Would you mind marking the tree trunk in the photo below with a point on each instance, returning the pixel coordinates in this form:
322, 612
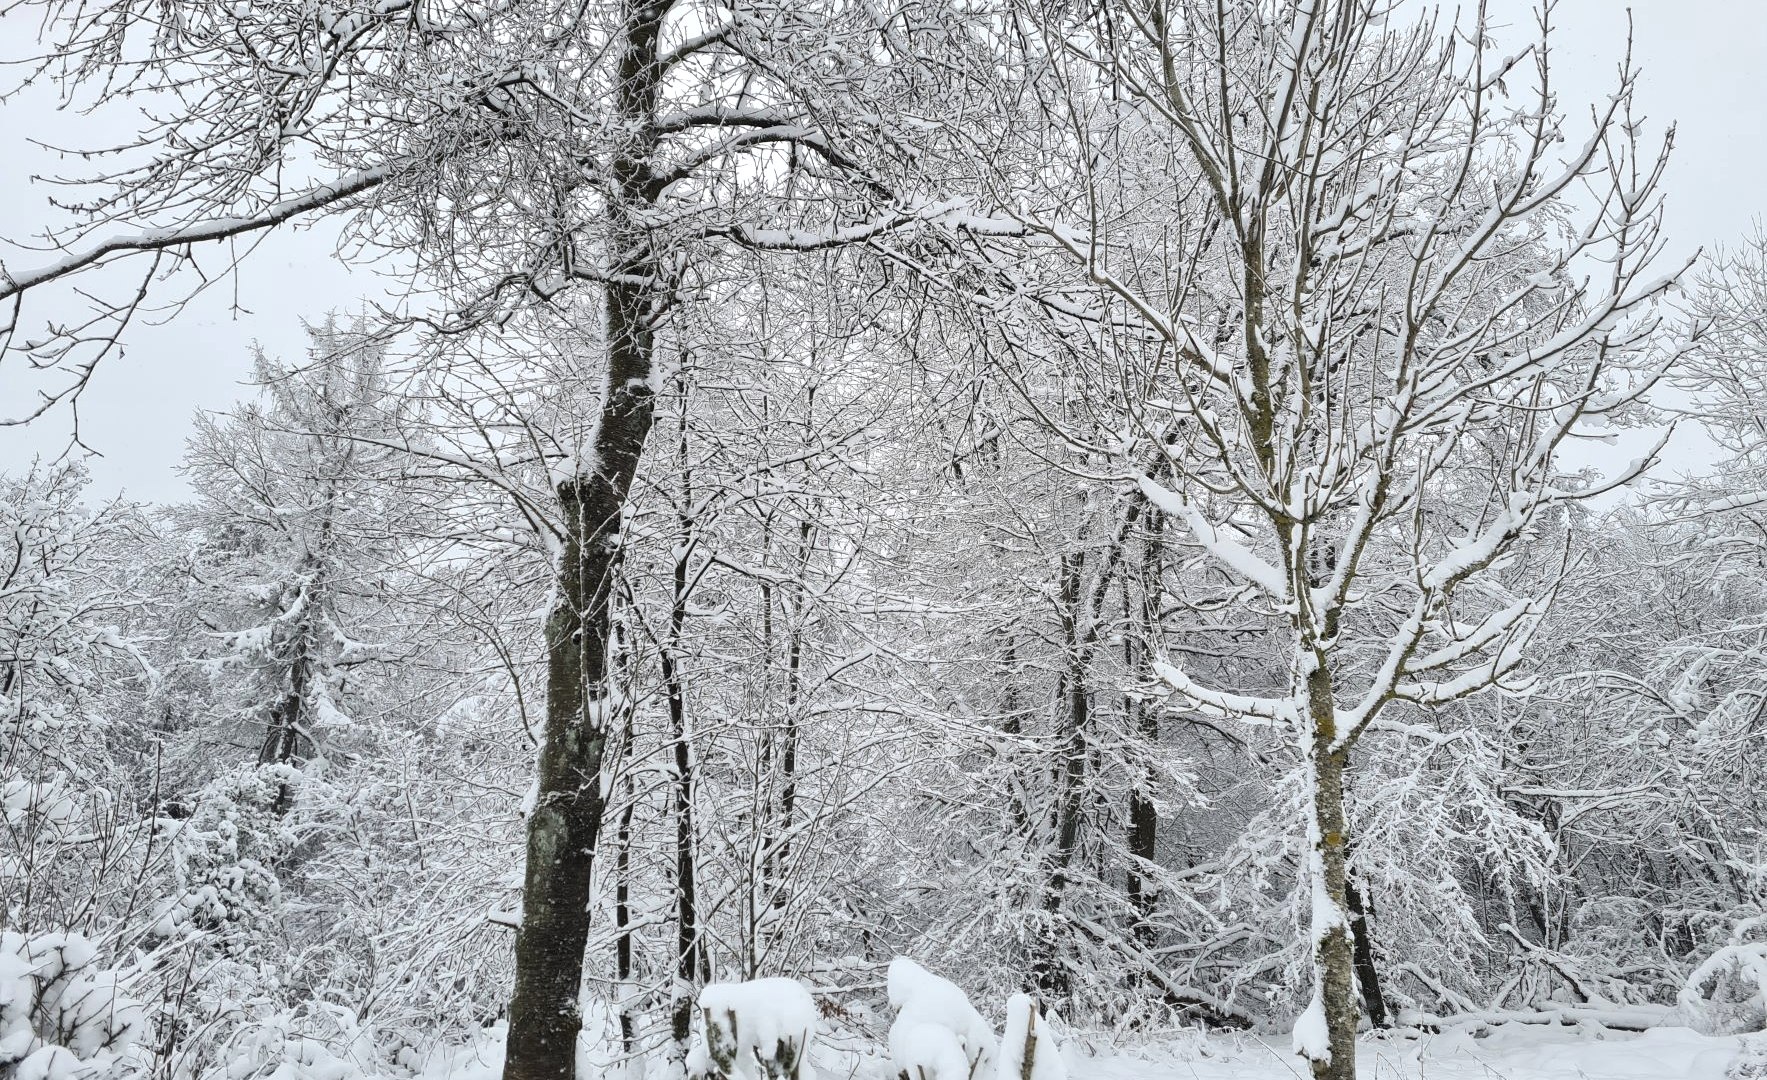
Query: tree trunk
623, 920
281, 743
691, 969
1144, 823
1334, 962
788, 755
1070, 775
545, 1014
1013, 724
1374, 1002
282, 739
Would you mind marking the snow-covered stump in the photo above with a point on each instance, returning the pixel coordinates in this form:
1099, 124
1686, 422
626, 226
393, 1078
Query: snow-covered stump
938, 1034
1028, 1050
756, 1030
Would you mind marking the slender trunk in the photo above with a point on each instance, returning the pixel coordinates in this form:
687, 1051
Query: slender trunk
1374, 1002
1144, 824
1013, 723
788, 755
757, 898
1142, 839
623, 932
1070, 774
623, 920
545, 1014
691, 968
762, 882
1333, 955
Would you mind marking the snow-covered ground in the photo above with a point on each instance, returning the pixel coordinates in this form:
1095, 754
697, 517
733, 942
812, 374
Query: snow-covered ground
1510, 1052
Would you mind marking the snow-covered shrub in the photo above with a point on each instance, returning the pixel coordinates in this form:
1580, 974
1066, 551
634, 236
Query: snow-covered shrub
285, 1046
223, 857
59, 1013
938, 1034
1028, 1050
47, 798
756, 1030
1727, 993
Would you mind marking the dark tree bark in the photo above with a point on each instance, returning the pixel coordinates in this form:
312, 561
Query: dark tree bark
623, 917
796, 612
1081, 624
545, 1013
1051, 978
1374, 1002
691, 966
1144, 824
282, 737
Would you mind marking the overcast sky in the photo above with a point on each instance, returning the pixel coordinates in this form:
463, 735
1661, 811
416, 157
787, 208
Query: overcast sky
1701, 62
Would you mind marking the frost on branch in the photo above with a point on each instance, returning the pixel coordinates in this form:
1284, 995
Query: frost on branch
756, 1030
938, 1035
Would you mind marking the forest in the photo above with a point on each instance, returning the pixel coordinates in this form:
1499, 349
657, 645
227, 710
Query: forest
887, 540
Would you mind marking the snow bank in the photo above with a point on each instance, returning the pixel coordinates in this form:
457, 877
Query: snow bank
938, 1035
757, 1030
1505, 1052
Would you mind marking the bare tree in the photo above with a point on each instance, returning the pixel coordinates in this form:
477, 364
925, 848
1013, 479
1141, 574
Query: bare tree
1338, 292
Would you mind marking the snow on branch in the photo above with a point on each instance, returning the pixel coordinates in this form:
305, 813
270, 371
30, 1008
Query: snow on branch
197, 232
1234, 556
1220, 703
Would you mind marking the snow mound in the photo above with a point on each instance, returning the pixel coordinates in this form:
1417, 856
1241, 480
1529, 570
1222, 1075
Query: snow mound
1311, 1037
938, 1034
59, 1017
756, 1030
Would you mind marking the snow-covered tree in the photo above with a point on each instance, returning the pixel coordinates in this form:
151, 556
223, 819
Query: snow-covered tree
1358, 378
75, 767
294, 530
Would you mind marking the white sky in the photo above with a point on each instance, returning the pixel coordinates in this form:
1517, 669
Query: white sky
1700, 60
